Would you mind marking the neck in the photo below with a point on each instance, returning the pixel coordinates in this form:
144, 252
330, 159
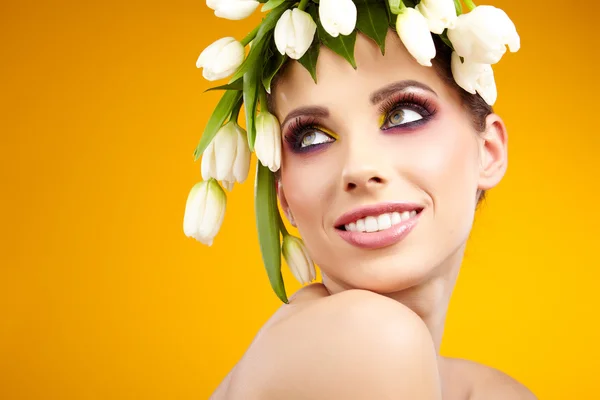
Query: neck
430, 299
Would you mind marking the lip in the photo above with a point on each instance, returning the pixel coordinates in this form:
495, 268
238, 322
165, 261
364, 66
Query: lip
380, 239
374, 210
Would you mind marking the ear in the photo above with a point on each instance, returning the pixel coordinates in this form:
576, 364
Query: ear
284, 203
493, 153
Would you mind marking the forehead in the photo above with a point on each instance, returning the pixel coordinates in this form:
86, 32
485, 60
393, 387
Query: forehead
338, 83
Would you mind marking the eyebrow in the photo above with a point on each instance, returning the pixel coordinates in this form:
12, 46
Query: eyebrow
313, 111
376, 97
388, 90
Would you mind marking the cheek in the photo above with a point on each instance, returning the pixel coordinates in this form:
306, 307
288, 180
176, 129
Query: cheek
306, 184
449, 168
443, 159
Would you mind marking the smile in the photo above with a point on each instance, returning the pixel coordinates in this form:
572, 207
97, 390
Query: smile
380, 222
378, 226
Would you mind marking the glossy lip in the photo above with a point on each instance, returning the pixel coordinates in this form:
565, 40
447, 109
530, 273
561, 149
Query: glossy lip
380, 239
375, 210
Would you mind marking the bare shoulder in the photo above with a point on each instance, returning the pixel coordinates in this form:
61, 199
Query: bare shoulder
352, 345
488, 383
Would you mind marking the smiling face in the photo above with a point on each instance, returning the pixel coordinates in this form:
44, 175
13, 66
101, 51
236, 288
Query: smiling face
381, 166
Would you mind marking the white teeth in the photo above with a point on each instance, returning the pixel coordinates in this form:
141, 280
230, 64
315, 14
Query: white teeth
384, 221
371, 224
360, 225
380, 222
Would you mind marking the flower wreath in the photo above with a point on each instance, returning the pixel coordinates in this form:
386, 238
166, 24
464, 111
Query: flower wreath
296, 30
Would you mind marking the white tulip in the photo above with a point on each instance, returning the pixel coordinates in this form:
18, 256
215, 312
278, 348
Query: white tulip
297, 258
204, 211
475, 77
414, 32
440, 14
233, 9
227, 157
268, 140
338, 16
294, 33
481, 36
221, 59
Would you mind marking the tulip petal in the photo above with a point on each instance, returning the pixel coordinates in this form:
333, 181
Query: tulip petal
281, 31
475, 78
214, 213
481, 36
225, 148
242, 158
208, 166
235, 9
413, 30
194, 209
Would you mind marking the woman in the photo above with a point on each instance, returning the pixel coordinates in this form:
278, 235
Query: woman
381, 170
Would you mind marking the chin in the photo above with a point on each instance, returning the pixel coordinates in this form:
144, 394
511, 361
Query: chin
396, 268
391, 272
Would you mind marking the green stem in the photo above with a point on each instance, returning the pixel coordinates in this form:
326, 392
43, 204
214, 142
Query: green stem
302, 5
282, 228
235, 112
262, 97
402, 6
250, 36
470, 5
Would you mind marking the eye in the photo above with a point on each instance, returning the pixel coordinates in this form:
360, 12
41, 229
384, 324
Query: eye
401, 116
313, 138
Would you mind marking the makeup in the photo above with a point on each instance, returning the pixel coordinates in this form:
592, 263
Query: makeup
378, 226
410, 109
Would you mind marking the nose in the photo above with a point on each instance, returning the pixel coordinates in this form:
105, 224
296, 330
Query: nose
364, 169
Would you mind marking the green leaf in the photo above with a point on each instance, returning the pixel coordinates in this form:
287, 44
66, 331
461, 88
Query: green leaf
373, 21
267, 223
309, 59
458, 6
237, 85
215, 122
262, 36
271, 4
272, 66
250, 100
342, 45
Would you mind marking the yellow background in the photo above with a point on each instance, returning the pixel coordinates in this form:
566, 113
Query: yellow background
103, 297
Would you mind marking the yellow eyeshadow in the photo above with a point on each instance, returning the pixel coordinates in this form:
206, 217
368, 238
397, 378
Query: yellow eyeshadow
330, 133
381, 119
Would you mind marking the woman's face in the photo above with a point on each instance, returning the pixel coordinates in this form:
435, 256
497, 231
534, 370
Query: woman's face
381, 166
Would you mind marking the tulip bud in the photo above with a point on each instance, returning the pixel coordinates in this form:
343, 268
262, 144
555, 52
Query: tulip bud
338, 16
481, 36
297, 258
268, 140
294, 33
221, 59
227, 157
233, 9
440, 14
414, 32
204, 211
475, 77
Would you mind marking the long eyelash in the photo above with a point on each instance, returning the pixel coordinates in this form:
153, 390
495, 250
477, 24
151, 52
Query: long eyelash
297, 129
411, 100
